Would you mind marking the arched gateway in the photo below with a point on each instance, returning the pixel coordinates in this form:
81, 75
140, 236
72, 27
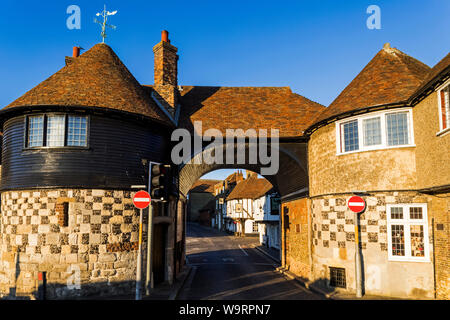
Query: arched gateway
74, 146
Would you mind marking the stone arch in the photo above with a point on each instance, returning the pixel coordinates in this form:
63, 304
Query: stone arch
290, 180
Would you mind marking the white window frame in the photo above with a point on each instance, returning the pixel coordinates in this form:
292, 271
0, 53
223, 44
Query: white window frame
441, 125
406, 222
383, 145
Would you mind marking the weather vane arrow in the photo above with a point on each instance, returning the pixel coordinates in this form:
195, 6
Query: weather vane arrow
103, 24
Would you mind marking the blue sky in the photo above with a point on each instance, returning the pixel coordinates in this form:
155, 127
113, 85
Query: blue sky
314, 47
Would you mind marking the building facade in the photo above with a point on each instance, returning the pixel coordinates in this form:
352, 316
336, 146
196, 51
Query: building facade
376, 139
73, 148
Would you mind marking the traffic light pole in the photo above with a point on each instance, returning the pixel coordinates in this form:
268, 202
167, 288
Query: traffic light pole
149, 284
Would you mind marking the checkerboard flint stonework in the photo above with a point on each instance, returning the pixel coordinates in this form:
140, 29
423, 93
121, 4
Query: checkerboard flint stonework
97, 238
334, 225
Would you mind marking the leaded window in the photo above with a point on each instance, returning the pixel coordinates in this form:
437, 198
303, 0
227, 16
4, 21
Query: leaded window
372, 131
56, 130
35, 131
377, 130
397, 128
77, 131
350, 135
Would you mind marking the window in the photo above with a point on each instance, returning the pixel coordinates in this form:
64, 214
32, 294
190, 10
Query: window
407, 232
372, 131
77, 131
56, 130
35, 131
275, 203
377, 130
255, 227
397, 128
350, 135
444, 107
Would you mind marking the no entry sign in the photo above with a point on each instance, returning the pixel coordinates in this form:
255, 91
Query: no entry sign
141, 199
356, 204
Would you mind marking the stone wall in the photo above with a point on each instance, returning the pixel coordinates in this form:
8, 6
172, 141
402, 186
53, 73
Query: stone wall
97, 242
333, 234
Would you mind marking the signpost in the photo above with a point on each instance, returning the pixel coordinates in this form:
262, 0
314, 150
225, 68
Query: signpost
141, 200
357, 205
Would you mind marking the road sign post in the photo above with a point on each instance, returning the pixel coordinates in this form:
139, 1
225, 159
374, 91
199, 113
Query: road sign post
357, 205
141, 200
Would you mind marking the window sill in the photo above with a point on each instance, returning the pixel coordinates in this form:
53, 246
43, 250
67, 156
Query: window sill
56, 149
376, 149
443, 132
400, 259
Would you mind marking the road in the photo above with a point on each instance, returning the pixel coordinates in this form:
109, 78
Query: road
228, 268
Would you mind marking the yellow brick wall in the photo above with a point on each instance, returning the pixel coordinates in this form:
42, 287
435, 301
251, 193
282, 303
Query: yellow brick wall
296, 245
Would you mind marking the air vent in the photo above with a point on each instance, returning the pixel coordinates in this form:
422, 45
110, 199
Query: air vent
337, 277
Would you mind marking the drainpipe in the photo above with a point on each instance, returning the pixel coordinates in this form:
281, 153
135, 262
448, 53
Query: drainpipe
434, 258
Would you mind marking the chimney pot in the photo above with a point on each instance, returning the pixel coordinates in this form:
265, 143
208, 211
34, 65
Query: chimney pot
76, 52
165, 36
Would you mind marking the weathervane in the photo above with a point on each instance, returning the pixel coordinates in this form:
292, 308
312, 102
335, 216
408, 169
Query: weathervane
105, 15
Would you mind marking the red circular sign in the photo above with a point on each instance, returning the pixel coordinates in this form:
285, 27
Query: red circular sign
356, 204
141, 199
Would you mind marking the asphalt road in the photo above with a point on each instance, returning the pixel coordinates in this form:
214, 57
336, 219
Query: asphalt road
228, 268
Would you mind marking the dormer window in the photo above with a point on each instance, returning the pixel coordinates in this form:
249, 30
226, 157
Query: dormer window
377, 130
56, 130
444, 107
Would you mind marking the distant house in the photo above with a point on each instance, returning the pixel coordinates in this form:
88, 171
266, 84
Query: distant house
201, 193
221, 191
247, 206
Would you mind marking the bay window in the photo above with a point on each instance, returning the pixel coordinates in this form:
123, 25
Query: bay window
56, 130
377, 130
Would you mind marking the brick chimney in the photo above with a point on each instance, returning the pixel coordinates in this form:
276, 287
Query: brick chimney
166, 73
75, 54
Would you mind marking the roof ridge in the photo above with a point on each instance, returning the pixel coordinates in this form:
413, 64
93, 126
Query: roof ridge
401, 55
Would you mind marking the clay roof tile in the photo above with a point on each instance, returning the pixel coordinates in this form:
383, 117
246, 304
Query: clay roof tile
97, 78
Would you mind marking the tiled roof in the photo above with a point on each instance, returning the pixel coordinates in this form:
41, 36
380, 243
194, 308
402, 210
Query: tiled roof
204, 185
250, 188
390, 77
435, 72
97, 78
247, 108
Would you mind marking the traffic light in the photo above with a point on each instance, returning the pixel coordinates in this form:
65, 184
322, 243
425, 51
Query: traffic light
160, 178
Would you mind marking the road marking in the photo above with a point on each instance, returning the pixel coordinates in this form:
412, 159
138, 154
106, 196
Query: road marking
227, 259
243, 250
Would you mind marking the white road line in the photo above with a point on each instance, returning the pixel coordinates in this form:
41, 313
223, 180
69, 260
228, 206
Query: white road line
243, 250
